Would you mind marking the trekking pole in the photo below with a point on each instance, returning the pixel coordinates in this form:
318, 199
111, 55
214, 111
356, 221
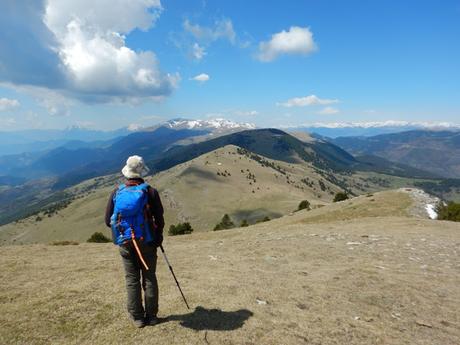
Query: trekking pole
172, 272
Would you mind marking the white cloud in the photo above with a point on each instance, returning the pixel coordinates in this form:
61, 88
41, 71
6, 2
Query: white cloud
247, 113
296, 41
201, 77
329, 111
56, 103
223, 29
78, 48
102, 15
8, 103
306, 101
198, 52
92, 49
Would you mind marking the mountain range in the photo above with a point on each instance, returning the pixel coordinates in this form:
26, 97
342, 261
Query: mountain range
347, 129
40, 180
435, 151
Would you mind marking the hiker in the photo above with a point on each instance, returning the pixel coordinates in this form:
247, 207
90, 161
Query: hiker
135, 214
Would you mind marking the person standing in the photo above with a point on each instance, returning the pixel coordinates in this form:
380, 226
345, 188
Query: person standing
135, 214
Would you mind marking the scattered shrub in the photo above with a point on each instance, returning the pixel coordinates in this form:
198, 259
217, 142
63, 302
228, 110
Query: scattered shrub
451, 211
304, 204
180, 229
98, 237
225, 223
64, 243
322, 185
244, 223
340, 196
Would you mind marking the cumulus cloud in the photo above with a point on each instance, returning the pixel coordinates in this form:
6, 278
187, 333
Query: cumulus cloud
8, 103
201, 77
223, 29
329, 111
296, 41
306, 101
88, 54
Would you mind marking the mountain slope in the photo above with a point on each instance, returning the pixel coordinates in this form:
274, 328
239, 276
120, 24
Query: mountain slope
228, 180
376, 280
270, 143
437, 152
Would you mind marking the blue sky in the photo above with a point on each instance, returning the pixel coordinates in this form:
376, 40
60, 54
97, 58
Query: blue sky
272, 63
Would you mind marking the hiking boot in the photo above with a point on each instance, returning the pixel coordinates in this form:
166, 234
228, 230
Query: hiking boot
139, 323
152, 321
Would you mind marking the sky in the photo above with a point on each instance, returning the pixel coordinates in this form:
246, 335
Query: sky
106, 64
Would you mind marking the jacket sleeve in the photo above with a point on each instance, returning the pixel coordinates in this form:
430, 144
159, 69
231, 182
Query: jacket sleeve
109, 209
156, 208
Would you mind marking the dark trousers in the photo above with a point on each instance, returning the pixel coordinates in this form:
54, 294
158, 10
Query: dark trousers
137, 276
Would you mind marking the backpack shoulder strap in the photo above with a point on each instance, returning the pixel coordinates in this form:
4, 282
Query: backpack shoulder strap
119, 188
144, 186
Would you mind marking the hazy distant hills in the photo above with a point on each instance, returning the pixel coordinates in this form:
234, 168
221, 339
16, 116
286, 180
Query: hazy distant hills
435, 151
81, 161
34, 140
84, 153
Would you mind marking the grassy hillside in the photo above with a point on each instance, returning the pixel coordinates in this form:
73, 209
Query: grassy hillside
348, 278
228, 180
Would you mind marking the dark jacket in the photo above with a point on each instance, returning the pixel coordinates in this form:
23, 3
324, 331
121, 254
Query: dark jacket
156, 208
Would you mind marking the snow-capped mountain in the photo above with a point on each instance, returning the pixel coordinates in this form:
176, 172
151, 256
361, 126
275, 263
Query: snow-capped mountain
345, 129
212, 124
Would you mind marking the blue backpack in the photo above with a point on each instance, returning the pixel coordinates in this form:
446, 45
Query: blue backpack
130, 214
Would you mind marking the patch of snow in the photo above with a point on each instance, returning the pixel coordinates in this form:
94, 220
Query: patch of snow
424, 203
431, 210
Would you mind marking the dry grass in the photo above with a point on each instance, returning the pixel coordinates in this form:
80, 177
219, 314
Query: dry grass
191, 192
385, 280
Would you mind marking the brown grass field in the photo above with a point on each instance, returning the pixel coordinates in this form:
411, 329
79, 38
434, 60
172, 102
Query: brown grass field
360, 271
